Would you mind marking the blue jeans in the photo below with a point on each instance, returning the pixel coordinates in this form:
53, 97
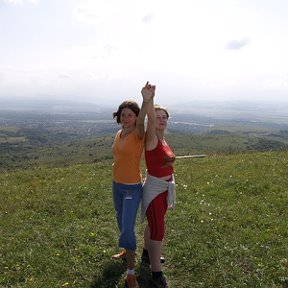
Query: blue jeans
126, 203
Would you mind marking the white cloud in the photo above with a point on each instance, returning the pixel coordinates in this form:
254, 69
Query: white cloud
20, 1
277, 81
148, 18
100, 11
237, 44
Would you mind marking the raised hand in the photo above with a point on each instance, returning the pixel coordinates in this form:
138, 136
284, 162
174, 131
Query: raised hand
148, 92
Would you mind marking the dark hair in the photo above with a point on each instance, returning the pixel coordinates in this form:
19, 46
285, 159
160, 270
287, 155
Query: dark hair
126, 104
158, 107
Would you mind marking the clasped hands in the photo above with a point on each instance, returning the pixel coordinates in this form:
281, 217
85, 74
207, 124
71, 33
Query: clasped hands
148, 91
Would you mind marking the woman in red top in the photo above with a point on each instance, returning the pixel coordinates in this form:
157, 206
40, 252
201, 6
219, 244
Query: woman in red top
156, 191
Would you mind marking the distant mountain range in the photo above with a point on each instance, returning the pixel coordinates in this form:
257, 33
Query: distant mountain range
48, 105
272, 111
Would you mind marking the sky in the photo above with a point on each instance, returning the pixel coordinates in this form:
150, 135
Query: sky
105, 50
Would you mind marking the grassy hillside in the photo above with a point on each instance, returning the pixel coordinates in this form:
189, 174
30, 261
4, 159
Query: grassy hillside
22, 154
229, 228
60, 139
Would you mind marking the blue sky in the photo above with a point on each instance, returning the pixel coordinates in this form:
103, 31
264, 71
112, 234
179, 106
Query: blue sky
105, 50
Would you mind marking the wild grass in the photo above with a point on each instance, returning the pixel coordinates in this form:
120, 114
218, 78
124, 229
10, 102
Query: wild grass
229, 228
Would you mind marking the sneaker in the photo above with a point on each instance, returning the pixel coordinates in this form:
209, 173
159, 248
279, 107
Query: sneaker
145, 259
121, 255
159, 282
131, 281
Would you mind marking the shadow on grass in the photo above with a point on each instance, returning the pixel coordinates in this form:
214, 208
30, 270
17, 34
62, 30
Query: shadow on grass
111, 275
143, 275
285, 283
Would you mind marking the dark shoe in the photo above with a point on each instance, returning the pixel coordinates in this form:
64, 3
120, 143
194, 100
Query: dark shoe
145, 259
159, 282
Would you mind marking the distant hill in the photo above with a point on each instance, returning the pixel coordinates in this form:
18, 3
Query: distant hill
275, 112
48, 105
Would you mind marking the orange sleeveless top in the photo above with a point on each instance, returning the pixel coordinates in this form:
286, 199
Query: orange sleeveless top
127, 153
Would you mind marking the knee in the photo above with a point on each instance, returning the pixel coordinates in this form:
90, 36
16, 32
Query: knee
157, 234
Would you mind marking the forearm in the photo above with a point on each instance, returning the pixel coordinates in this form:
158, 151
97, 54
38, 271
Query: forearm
148, 93
141, 119
151, 112
151, 139
143, 111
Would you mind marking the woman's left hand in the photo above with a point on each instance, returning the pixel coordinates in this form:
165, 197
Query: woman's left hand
148, 92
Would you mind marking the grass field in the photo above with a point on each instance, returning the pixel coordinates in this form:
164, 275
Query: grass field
229, 228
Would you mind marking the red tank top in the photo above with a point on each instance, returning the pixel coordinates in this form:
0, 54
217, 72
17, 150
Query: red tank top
159, 160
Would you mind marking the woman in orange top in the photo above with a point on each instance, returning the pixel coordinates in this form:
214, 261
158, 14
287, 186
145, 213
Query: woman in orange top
127, 181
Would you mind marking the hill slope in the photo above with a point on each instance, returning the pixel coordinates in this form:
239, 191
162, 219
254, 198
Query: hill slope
58, 229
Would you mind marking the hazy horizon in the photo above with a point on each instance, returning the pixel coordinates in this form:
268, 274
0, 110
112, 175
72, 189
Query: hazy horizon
249, 110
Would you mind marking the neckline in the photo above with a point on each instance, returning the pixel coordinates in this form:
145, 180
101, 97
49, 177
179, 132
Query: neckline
124, 136
163, 142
